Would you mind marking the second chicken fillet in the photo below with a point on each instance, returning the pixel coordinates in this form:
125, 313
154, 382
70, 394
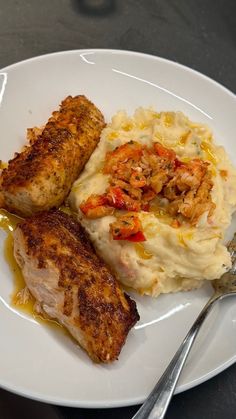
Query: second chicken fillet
40, 177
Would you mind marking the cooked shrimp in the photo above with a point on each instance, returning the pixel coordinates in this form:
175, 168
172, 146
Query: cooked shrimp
96, 206
139, 174
190, 175
195, 202
128, 151
127, 227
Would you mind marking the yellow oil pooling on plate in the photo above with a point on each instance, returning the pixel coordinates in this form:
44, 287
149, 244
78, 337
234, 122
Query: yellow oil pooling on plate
209, 153
182, 237
142, 252
168, 119
183, 138
8, 221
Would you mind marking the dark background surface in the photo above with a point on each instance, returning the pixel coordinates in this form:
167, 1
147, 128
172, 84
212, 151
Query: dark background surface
198, 33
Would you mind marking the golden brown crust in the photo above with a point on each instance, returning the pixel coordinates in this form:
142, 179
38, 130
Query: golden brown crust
41, 176
103, 313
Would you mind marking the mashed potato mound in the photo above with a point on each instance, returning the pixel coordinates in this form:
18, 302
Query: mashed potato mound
172, 258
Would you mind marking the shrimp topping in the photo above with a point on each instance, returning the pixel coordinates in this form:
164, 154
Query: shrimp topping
127, 227
138, 175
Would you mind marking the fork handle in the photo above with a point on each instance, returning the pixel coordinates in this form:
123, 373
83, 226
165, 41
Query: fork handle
157, 402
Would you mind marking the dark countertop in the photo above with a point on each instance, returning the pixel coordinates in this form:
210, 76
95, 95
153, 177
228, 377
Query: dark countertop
198, 33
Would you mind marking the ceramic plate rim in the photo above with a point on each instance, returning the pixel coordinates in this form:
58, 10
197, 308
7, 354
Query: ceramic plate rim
180, 388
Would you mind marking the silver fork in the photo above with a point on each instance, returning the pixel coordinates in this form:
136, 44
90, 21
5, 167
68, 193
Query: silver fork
157, 402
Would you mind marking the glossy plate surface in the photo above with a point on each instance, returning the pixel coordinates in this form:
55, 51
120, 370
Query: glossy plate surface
40, 362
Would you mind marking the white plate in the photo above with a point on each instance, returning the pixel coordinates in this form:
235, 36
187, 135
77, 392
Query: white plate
43, 364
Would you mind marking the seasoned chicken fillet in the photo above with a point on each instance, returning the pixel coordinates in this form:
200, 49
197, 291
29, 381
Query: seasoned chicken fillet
72, 285
40, 177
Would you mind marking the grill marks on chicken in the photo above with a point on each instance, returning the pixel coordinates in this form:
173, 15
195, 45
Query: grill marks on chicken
72, 284
40, 177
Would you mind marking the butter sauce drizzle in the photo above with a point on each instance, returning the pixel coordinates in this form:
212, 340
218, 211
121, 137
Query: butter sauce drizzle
8, 223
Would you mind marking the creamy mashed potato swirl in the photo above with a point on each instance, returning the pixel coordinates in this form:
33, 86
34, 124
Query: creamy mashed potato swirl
171, 259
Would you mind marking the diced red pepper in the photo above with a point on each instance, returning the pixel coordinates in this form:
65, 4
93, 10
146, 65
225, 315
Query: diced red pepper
178, 163
137, 237
131, 150
146, 207
116, 198
92, 202
164, 152
127, 227
120, 200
